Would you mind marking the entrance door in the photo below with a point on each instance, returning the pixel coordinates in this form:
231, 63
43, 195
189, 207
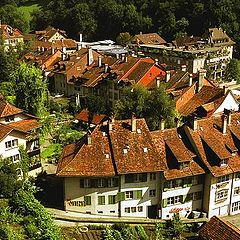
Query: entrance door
152, 211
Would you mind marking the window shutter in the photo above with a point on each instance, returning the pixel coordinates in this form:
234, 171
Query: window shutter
164, 202
81, 183
144, 177
182, 198
185, 198
121, 196
137, 194
87, 200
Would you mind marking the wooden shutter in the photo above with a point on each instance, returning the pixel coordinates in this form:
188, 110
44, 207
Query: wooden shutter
81, 183
164, 202
185, 198
137, 194
121, 196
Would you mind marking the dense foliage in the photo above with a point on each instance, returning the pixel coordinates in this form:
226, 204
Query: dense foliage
149, 105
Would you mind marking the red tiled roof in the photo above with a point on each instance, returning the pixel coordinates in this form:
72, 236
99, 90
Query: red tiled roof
81, 159
125, 151
7, 32
218, 229
207, 94
97, 118
25, 125
4, 130
149, 38
7, 109
177, 149
213, 146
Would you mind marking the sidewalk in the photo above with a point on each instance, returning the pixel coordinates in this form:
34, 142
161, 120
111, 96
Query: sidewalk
90, 218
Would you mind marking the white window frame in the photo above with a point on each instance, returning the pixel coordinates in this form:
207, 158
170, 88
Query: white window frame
236, 191
222, 179
221, 195
152, 193
128, 195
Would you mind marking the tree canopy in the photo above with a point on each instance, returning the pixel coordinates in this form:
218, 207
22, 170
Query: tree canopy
149, 105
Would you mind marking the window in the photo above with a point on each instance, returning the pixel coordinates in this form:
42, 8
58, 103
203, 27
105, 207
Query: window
140, 208
100, 182
224, 178
152, 176
237, 175
140, 177
133, 209
15, 158
111, 199
187, 182
236, 191
194, 196
236, 206
221, 195
174, 200
9, 119
152, 193
11, 144
178, 183
129, 195
224, 163
183, 165
112, 182
19, 172
145, 150
127, 210
87, 200
101, 200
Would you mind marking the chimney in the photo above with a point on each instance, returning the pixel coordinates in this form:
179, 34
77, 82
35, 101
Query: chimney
99, 61
111, 122
80, 37
53, 50
90, 56
225, 89
228, 113
184, 68
201, 76
190, 80
89, 138
105, 67
123, 56
117, 55
140, 33
224, 124
39, 49
134, 123
64, 49
158, 81
194, 123
156, 61
79, 46
126, 59
63, 56
42, 49
168, 75
162, 124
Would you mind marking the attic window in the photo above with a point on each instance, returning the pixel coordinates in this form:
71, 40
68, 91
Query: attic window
104, 134
125, 151
138, 130
224, 163
107, 156
184, 165
145, 149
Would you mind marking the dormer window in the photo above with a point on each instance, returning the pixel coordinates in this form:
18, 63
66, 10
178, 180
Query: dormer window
107, 156
224, 163
9, 119
138, 130
183, 165
145, 149
125, 151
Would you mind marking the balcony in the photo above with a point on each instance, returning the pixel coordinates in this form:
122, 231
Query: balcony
35, 151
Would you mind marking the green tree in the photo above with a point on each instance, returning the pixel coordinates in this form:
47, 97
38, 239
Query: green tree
151, 106
31, 90
233, 71
24, 161
175, 227
123, 38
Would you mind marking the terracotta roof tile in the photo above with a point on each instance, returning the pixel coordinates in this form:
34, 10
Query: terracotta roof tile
7, 109
4, 130
7, 31
149, 38
218, 229
25, 125
97, 118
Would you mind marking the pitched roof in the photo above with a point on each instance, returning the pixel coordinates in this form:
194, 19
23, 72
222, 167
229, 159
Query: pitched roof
213, 146
118, 151
206, 95
49, 32
25, 125
219, 229
96, 119
186, 41
217, 34
7, 32
177, 149
4, 130
7, 109
149, 38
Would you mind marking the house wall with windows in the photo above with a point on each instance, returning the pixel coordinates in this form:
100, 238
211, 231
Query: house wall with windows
9, 146
235, 198
181, 196
90, 195
139, 194
220, 195
13, 118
